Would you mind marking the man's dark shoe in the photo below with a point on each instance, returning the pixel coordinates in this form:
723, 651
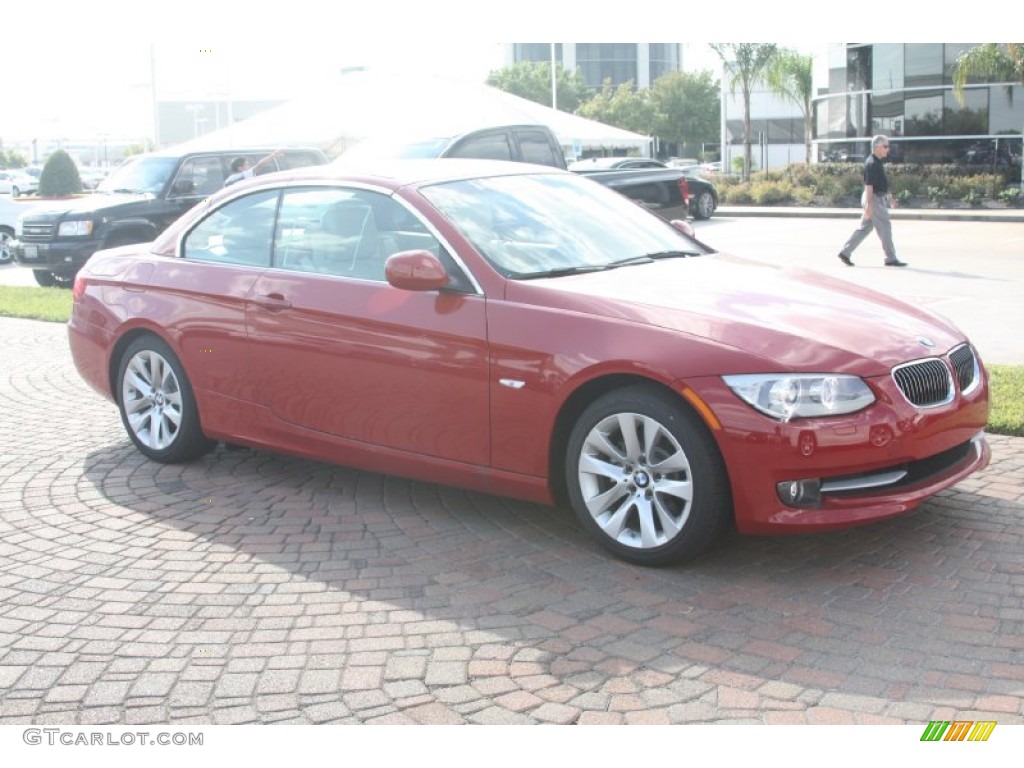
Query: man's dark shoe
895, 263
845, 259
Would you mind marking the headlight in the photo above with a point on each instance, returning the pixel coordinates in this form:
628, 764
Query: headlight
74, 228
802, 395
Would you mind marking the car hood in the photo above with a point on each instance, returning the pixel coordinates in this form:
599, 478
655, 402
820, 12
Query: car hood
84, 204
795, 320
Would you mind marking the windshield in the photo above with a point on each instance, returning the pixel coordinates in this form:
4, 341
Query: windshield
542, 225
141, 174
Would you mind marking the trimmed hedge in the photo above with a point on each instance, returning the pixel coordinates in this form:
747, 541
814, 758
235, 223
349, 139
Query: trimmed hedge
838, 185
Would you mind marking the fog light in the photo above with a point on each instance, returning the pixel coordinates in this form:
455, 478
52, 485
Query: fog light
799, 493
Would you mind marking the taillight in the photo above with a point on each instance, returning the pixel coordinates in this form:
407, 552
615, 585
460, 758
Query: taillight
79, 290
684, 190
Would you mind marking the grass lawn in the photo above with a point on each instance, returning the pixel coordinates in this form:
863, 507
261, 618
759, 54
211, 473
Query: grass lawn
1005, 418
53, 304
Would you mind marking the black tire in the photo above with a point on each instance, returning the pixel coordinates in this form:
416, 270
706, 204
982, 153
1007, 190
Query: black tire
15, 192
6, 235
632, 503
703, 205
44, 278
157, 406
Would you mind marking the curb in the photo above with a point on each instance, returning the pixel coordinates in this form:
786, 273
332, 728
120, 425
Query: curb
912, 214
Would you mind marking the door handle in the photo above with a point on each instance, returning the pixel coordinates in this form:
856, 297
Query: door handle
274, 302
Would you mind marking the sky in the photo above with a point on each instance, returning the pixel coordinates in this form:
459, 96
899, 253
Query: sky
95, 68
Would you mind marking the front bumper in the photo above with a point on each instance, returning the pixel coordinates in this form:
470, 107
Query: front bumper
61, 258
871, 465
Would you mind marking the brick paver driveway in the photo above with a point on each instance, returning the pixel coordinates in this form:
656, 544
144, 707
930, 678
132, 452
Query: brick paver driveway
251, 587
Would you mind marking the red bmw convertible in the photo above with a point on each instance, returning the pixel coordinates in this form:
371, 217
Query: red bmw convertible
528, 332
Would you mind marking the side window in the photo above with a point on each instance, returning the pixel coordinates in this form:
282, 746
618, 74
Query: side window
487, 146
536, 148
349, 233
240, 232
198, 177
292, 159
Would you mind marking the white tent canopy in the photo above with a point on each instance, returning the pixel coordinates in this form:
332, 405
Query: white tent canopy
359, 104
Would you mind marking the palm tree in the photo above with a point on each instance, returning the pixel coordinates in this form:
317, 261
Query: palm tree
790, 75
747, 64
999, 61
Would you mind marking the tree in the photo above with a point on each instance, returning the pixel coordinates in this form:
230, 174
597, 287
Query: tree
624, 107
686, 107
999, 61
532, 80
12, 158
790, 75
60, 176
747, 63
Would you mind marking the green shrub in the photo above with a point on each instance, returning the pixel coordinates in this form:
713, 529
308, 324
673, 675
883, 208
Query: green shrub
973, 198
766, 192
60, 176
805, 195
1010, 196
737, 194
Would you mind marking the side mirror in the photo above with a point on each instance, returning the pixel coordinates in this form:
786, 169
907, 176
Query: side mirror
416, 271
183, 187
685, 227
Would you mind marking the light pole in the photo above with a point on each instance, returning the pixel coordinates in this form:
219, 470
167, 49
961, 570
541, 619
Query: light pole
195, 109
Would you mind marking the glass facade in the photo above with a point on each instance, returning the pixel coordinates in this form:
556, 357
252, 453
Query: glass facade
638, 63
905, 90
536, 52
617, 62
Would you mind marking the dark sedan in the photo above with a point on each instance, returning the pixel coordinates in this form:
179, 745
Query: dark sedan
524, 331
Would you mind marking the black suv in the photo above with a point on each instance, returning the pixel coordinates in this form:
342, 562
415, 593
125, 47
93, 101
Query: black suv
132, 205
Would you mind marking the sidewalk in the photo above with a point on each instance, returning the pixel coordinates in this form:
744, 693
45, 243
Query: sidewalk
919, 214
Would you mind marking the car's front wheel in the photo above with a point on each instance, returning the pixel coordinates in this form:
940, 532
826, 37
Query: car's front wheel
645, 478
157, 406
703, 205
44, 278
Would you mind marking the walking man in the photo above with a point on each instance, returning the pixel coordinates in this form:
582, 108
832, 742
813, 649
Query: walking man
875, 202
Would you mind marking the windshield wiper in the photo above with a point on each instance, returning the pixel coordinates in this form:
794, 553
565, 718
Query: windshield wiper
668, 255
562, 271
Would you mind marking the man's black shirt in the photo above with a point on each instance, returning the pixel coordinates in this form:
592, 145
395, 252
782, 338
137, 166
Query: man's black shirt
874, 175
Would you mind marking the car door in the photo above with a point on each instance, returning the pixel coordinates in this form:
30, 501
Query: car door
206, 290
338, 350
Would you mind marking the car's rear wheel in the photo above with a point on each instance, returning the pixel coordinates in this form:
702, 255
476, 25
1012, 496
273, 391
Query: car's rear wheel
703, 205
6, 235
157, 406
645, 478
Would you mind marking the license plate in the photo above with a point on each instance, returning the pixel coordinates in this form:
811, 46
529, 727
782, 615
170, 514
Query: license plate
29, 252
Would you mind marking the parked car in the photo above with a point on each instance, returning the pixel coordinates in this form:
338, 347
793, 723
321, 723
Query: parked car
92, 177
131, 205
672, 193
615, 163
526, 332
16, 183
